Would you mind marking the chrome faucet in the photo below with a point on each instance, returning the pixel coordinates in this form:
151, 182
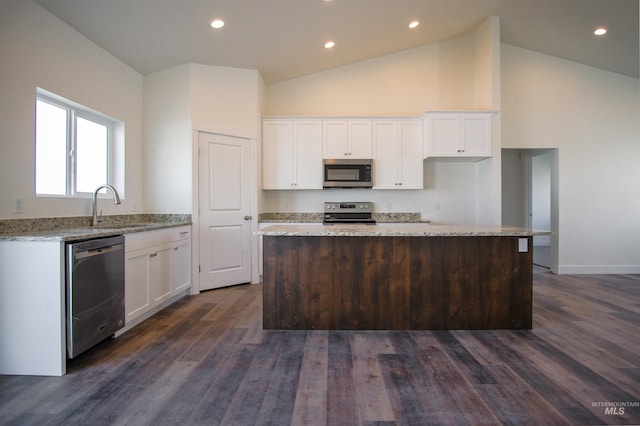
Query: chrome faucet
94, 213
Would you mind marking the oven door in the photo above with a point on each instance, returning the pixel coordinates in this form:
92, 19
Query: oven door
347, 218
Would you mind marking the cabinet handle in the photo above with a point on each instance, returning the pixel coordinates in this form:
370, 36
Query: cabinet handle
184, 233
175, 249
247, 217
153, 254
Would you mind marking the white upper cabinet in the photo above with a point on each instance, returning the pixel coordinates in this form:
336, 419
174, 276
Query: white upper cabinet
464, 135
348, 138
398, 154
291, 154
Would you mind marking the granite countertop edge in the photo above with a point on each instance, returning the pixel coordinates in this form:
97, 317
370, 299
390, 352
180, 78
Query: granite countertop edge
76, 229
381, 230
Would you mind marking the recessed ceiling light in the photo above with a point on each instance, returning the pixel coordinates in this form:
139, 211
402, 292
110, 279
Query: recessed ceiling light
217, 23
329, 44
414, 24
600, 31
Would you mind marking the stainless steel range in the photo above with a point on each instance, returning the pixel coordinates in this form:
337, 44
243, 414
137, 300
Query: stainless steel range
344, 212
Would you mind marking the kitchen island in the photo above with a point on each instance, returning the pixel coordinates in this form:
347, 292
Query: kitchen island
397, 277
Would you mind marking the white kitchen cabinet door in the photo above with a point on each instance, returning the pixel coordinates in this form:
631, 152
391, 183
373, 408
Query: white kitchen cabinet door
277, 154
347, 138
475, 134
443, 135
360, 139
458, 135
292, 154
398, 154
411, 154
180, 266
307, 138
136, 299
335, 136
386, 160
160, 274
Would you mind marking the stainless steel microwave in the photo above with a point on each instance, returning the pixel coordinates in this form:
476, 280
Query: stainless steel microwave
350, 173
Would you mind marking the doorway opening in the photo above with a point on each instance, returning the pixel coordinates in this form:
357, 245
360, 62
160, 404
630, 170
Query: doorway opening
530, 198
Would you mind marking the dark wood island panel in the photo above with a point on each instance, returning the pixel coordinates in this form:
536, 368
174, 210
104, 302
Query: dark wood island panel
397, 283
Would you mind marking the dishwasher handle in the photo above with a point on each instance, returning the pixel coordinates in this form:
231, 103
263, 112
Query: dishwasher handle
98, 251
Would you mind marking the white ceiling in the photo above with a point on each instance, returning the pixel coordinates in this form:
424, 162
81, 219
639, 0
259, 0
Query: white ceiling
283, 39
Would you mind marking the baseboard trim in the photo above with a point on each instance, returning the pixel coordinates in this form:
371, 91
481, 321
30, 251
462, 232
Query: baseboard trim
598, 269
151, 312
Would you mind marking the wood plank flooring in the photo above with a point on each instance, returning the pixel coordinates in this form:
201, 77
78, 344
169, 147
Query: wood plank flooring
206, 360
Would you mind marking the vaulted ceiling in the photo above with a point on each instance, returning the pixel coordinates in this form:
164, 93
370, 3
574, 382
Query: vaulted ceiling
284, 39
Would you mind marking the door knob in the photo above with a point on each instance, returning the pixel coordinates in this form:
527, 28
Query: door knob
247, 217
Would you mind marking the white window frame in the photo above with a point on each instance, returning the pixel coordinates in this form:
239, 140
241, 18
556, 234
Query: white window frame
75, 110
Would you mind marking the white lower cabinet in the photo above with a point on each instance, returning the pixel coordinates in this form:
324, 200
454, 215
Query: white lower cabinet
180, 266
160, 274
136, 284
157, 269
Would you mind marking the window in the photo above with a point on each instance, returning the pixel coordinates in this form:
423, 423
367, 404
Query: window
74, 147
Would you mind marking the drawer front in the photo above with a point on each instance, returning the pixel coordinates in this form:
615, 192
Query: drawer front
139, 240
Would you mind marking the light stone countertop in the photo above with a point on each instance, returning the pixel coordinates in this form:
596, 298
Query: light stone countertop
396, 230
77, 234
77, 228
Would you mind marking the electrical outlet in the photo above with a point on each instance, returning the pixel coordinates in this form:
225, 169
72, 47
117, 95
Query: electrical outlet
18, 206
438, 206
523, 245
389, 206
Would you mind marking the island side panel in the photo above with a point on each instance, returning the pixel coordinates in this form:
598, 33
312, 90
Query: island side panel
396, 283
430, 281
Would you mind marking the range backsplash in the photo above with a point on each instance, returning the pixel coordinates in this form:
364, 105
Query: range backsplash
292, 217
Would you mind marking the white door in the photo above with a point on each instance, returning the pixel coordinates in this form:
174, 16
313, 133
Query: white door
224, 210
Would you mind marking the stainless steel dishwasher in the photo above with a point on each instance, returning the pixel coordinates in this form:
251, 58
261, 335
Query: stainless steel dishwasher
94, 292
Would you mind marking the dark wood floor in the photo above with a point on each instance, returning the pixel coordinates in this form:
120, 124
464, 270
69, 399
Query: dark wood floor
206, 360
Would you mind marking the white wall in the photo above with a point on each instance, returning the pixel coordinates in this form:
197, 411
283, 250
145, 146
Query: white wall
436, 76
513, 188
167, 141
541, 195
488, 206
185, 98
39, 50
226, 100
592, 117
